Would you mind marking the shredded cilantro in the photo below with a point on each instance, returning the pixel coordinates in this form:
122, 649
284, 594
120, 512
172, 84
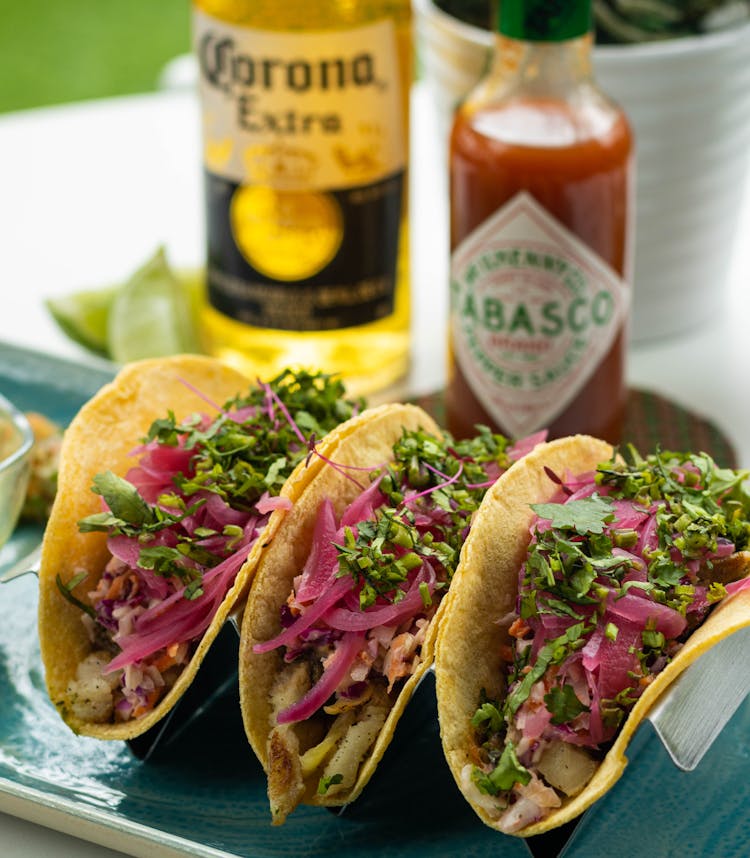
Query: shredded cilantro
249, 448
583, 516
653, 639
240, 457
698, 502
450, 475
611, 631
325, 783
489, 716
67, 591
506, 773
371, 554
563, 703
553, 652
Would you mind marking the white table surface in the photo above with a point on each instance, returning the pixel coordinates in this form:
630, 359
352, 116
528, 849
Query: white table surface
89, 190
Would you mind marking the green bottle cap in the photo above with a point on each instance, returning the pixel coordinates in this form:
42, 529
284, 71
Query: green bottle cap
544, 20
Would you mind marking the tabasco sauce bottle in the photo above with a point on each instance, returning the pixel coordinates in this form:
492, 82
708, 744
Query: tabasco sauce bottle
541, 187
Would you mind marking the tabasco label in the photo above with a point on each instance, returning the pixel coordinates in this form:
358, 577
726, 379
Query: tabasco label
533, 313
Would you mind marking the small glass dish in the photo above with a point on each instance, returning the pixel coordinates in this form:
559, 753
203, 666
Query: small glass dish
16, 441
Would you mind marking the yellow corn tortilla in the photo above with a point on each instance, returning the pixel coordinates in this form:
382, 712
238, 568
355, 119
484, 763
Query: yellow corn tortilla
484, 588
369, 442
99, 438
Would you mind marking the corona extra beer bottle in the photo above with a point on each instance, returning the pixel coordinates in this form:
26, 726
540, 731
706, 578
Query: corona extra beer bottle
305, 111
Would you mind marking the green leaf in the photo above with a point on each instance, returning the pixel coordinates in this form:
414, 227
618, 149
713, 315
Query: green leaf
325, 783
556, 606
165, 429
123, 499
722, 481
665, 572
489, 717
553, 652
276, 473
529, 607
165, 561
99, 521
588, 515
193, 590
582, 579
67, 592
506, 773
653, 639
563, 704
646, 586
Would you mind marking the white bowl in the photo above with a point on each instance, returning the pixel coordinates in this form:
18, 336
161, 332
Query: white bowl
688, 101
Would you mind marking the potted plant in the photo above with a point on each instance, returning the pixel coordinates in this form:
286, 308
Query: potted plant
681, 70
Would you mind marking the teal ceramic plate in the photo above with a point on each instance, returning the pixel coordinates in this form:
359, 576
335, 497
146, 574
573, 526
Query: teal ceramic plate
202, 792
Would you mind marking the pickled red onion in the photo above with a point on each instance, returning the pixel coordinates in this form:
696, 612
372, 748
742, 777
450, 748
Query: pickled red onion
322, 562
392, 614
335, 670
306, 619
646, 612
738, 586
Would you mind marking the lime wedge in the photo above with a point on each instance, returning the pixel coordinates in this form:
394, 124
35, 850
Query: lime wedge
82, 316
151, 315
192, 281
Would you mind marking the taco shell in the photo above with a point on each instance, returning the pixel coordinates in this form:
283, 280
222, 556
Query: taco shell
368, 442
467, 658
101, 437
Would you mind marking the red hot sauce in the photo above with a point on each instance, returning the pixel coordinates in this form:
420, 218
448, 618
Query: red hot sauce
541, 210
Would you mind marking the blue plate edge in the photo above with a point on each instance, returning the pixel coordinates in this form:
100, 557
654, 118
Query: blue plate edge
71, 811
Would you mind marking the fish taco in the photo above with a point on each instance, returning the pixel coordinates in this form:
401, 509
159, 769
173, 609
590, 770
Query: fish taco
587, 584
339, 627
172, 479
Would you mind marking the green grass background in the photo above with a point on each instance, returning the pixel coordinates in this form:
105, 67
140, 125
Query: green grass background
55, 51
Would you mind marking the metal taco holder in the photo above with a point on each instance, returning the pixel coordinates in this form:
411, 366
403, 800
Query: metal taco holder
216, 678
687, 718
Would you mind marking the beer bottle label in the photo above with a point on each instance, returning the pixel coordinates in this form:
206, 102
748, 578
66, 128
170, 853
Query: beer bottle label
304, 154
533, 313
